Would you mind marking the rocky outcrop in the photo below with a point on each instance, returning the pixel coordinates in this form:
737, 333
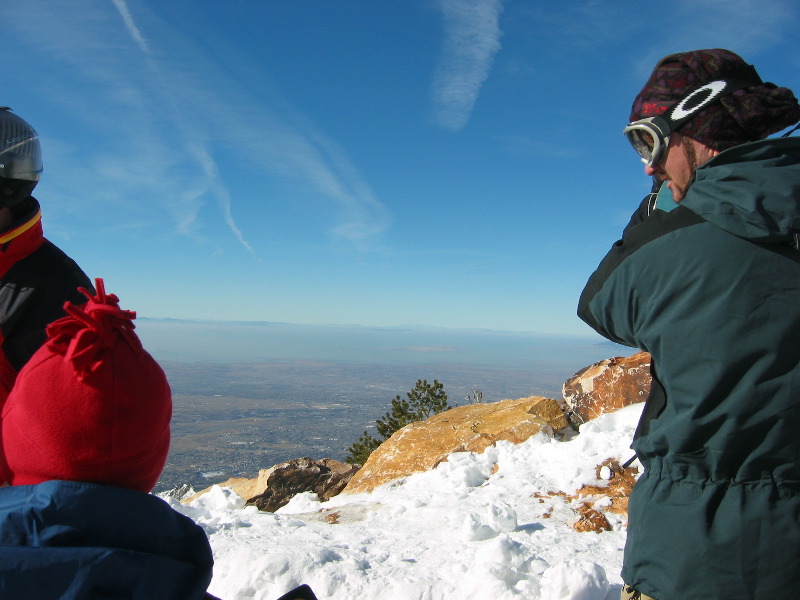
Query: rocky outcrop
326, 478
275, 486
179, 492
607, 386
244, 487
603, 387
474, 427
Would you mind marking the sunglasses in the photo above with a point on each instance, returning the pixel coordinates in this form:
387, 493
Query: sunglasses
650, 136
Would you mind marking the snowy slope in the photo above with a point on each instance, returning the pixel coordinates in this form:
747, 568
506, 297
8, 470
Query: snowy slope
479, 526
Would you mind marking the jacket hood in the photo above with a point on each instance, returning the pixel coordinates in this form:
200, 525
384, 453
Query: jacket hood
751, 190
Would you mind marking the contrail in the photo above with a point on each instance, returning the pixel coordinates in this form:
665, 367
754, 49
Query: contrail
131, 26
472, 38
201, 154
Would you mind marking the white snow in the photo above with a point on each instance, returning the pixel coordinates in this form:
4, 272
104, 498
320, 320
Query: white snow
478, 526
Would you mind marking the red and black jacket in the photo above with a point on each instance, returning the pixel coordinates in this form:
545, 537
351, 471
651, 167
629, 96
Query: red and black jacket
36, 279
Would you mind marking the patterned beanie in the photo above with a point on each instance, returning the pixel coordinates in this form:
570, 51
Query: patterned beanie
746, 115
91, 404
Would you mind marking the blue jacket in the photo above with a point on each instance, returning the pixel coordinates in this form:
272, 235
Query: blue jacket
712, 291
69, 540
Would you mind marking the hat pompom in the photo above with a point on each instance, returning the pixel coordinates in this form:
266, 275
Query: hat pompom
88, 330
91, 404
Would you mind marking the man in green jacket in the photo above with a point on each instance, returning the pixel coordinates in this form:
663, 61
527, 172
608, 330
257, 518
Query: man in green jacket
709, 284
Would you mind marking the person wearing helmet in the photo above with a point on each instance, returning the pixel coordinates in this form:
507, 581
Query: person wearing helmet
709, 284
36, 277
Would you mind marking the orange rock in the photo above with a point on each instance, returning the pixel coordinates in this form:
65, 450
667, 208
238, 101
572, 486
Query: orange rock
617, 490
591, 520
607, 386
244, 487
474, 427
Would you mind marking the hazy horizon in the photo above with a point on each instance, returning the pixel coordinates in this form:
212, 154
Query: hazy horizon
242, 341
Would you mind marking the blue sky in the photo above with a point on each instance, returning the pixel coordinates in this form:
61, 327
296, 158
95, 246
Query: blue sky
445, 163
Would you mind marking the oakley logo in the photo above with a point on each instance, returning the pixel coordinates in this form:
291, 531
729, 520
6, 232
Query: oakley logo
698, 99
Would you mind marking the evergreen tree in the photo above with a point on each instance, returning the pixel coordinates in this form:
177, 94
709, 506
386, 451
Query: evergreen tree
361, 449
423, 401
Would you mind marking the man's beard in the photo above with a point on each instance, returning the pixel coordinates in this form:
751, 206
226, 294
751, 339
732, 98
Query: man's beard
691, 157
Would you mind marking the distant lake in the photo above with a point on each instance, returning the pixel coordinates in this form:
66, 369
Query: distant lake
201, 341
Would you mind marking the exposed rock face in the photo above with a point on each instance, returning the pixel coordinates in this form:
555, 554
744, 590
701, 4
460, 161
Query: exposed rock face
474, 427
179, 492
244, 487
275, 486
607, 386
326, 478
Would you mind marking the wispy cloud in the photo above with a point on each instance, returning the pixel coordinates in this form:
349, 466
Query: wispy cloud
534, 147
223, 196
592, 29
744, 26
194, 143
323, 163
472, 38
170, 119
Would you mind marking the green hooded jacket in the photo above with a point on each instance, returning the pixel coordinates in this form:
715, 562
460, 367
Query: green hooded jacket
712, 291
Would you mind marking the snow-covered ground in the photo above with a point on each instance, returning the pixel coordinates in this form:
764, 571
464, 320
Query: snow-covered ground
478, 526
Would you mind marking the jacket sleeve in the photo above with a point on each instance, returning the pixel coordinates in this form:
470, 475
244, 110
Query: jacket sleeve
621, 293
601, 302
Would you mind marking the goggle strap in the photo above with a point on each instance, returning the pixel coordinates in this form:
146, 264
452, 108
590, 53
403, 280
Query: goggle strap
745, 77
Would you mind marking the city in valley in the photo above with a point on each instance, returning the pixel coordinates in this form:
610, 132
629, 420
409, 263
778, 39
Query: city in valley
232, 419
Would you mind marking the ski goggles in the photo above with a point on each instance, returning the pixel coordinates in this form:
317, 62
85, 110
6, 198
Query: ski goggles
650, 138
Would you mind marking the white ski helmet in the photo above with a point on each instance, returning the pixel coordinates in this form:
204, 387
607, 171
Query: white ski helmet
20, 152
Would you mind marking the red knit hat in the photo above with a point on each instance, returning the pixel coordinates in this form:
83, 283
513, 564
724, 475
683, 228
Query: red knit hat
752, 113
91, 404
